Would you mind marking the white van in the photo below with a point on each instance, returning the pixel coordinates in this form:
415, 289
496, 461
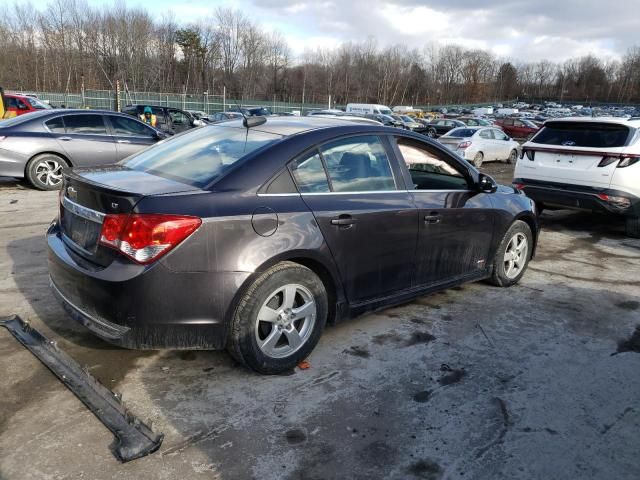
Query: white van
584, 163
372, 108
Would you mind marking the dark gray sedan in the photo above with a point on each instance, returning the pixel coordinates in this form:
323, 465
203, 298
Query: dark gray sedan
252, 234
37, 146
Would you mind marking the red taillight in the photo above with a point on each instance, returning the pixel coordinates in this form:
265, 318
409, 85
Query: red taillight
519, 186
145, 237
463, 145
603, 196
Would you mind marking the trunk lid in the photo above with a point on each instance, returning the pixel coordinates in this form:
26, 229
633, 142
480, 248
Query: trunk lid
452, 142
87, 195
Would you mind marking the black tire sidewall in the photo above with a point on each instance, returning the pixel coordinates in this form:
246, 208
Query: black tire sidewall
499, 277
243, 335
30, 171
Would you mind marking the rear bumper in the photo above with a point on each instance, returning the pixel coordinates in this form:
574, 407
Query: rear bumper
142, 307
579, 197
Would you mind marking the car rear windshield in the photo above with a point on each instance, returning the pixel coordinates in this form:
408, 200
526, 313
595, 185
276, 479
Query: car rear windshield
461, 132
200, 156
583, 134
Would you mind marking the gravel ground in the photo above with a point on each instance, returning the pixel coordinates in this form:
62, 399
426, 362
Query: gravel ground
531, 382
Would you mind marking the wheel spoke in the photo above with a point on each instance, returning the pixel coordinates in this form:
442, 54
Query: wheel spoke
289, 298
267, 314
293, 337
309, 308
509, 256
269, 343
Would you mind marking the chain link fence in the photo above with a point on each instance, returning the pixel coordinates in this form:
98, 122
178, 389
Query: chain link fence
108, 100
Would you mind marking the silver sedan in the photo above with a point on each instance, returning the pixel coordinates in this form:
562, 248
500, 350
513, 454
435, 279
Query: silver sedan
481, 144
38, 145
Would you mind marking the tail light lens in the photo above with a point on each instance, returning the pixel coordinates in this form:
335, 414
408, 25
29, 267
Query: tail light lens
628, 161
624, 161
607, 161
531, 154
519, 186
145, 237
463, 145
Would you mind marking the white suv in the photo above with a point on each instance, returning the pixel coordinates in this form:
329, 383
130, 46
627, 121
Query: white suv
584, 163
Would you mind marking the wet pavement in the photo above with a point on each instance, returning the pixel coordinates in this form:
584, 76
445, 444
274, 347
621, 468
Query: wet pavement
538, 381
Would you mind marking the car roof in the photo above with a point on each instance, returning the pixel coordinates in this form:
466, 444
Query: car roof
286, 126
619, 121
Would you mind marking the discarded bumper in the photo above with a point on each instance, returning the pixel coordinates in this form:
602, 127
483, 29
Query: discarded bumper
133, 438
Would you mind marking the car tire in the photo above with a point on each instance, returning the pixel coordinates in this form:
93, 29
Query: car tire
432, 133
44, 171
513, 157
633, 227
265, 334
478, 159
512, 256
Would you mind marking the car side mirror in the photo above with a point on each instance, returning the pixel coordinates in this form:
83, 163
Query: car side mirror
486, 184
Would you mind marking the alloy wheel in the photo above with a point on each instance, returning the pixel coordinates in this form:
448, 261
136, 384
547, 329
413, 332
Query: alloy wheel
515, 255
285, 321
49, 172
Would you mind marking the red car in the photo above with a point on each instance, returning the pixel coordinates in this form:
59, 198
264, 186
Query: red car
20, 104
518, 127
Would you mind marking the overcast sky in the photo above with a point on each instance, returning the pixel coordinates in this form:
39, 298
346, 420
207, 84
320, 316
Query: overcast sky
516, 29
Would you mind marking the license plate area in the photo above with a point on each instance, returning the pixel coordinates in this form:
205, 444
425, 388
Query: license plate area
81, 225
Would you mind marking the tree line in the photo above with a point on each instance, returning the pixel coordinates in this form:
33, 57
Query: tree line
68, 45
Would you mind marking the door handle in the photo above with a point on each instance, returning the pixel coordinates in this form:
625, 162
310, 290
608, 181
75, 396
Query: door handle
433, 217
124, 141
343, 221
65, 139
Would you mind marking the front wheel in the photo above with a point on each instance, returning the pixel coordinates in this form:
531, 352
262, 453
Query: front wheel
279, 320
432, 133
512, 257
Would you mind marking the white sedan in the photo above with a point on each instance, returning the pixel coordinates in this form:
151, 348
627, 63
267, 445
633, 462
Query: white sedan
481, 144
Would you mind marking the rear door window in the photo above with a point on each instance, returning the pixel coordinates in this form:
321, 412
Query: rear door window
309, 174
486, 134
358, 164
85, 124
56, 125
127, 127
584, 134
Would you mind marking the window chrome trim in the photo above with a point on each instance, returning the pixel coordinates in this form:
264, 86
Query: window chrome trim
81, 211
363, 192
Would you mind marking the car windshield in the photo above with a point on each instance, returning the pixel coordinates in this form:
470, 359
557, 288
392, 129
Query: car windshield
201, 155
461, 132
35, 103
528, 123
385, 111
407, 118
386, 118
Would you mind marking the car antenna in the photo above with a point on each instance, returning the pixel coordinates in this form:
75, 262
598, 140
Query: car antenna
249, 122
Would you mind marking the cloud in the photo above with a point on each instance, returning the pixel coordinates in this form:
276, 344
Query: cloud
522, 30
